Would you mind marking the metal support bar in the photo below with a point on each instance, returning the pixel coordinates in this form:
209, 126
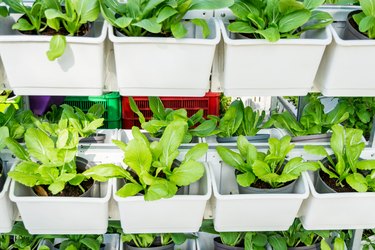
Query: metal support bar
356, 240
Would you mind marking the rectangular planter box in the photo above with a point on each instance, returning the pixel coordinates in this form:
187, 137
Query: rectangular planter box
152, 66
181, 213
337, 210
79, 70
63, 215
293, 63
7, 209
340, 74
235, 212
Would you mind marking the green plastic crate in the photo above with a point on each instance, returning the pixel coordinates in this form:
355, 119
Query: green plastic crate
110, 101
113, 124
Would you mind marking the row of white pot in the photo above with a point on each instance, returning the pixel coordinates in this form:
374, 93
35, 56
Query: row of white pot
167, 66
184, 213
232, 211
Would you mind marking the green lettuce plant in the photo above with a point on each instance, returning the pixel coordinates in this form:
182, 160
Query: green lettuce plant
48, 161
365, 19
76, 242
148, 240
66, 116
165, 17
239, 120
162, 117
296, 235
346, 168
361, 113
62, 17
275, 19
313, 119
248, 240
271, 167
153, 164
16, 122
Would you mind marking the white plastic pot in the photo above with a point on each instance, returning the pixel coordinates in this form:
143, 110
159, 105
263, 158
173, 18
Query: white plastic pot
347, 66
79, 70
258, 67
153, 66
63, 215
235, 212
181, 213
337, 210
7, 213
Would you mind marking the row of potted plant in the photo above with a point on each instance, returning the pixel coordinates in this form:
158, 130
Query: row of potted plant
48, 166
142, 32
265, 170
295, 238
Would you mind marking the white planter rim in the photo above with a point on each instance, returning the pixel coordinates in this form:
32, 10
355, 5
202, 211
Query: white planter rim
342, 42
317, 195
38, 199
69, 39
5, 187
219, 196
165, 40
246, 42
174, 198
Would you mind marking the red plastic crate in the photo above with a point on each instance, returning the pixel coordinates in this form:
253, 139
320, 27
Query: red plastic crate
210, 103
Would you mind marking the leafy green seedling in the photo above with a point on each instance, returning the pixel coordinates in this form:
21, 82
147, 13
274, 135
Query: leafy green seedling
277, 19
162, 117
272, 167
347, 146
153, 164
366, 18
165, 17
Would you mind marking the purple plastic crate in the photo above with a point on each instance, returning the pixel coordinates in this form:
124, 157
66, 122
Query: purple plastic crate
40, 104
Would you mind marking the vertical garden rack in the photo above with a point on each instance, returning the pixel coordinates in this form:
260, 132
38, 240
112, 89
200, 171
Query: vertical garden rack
111, 154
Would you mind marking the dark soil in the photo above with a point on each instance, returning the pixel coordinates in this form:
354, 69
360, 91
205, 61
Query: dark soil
50, 32
69, 190
264, 185
332, 184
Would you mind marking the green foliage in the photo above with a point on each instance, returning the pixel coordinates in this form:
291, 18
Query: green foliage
361, 112
85, 124
78, 242
239, 120
148, 240
16, 122
225, 102
66, 116
165, 17
368, 241
162, 117
47, 160
296, 235
347, 146
158, 174
248, 240
277, 19
271, 167
20, 238
365, 19
313, 119
61, 16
